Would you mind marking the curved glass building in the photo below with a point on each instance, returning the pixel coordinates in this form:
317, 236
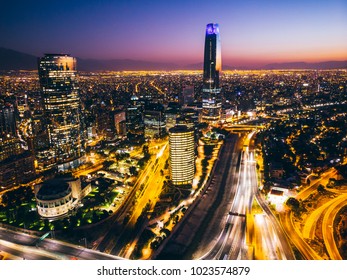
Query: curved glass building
62, 109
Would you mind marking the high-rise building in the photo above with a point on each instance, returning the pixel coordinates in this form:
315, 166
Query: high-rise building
16, 169
62, 110
16, 164
155, 121
7, 121
186, 95
120, 122
182, 155
135, 126
211, 91
9, 141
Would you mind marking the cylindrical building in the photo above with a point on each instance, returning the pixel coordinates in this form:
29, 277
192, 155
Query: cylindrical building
182, 155
54, 199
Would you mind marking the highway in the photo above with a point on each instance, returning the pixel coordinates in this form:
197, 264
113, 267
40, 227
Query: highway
149, 195
151, 183
295, 236
267, 244
327, 210
323, 179
309, 230
271, 241
231, 240
205, 217
25, 246
232, 235
328, 227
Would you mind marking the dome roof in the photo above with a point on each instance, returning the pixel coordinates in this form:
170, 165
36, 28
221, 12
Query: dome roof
53, 189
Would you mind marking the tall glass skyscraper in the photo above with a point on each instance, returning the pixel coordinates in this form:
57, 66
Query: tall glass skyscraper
62, 110
7, 121
211, 92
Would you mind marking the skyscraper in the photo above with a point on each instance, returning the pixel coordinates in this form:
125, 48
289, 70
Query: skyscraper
135, 126
211, 92
9, 141
154, 119
62, 110
182, 163
7, 121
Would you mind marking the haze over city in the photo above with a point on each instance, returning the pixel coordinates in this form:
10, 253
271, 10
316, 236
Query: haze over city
253, 32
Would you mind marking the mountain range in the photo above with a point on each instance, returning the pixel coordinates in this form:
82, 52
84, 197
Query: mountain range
14, 60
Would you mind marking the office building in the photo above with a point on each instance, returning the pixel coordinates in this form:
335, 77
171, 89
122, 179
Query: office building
62, 110
187, 95
17, 169
135, 126
9, 142
155, 120
7, 121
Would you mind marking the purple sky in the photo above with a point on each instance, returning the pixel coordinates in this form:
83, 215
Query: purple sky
252, 32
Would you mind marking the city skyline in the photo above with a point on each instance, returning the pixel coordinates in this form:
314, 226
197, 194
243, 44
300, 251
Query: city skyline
253, 33
97, 162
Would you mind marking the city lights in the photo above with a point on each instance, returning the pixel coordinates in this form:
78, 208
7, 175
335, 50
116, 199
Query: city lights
101, 161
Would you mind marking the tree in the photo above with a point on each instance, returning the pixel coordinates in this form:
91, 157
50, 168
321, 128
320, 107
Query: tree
165, 231
132, 170
293, 203
321, 189
145, 151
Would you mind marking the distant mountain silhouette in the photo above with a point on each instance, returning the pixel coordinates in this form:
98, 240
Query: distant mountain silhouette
305, 65
14, 60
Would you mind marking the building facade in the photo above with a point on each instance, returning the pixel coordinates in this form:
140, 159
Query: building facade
8, 128
211, 91
17, 169
62, 110
182, 155
135, 126
58, 196
155, 120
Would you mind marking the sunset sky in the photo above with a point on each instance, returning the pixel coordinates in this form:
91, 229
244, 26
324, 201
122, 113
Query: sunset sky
252, 32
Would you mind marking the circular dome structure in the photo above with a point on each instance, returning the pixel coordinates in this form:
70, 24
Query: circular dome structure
54, 199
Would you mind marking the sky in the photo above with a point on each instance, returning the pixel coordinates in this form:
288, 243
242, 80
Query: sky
252, 32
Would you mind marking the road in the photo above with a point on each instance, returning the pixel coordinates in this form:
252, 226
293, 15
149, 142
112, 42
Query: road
231, 243
267, 244
149, 195
323, 179
309, 228
328, 227
295, 236
151, 182
27, 246
196, 231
